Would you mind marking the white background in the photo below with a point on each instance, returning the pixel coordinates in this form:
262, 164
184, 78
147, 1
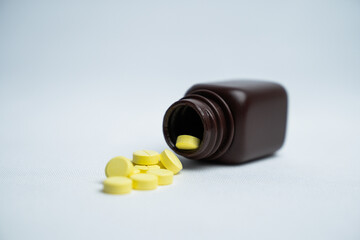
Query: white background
84, 81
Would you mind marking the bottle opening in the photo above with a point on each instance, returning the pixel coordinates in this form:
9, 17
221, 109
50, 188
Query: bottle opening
184, 120
203, 115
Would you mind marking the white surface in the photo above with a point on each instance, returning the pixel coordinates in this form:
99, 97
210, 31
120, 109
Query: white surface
83, 82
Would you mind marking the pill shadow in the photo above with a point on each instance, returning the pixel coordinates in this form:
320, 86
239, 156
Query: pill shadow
202, 164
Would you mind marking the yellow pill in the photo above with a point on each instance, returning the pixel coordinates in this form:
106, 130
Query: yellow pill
141, 168
146, 157
151, 167
161, 165
117, 185
143, 181
165, 177
144, 169
187, 142
119, 166
170, 161
136, 171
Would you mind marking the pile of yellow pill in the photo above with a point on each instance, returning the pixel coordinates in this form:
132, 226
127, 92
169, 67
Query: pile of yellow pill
145, 171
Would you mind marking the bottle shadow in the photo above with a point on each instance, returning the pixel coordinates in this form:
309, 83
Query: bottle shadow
190, 164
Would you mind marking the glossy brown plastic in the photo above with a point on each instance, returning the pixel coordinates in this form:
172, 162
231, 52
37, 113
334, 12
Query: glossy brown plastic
237, 121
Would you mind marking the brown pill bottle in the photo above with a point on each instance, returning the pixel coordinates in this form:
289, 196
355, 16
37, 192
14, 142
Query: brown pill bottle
236, 121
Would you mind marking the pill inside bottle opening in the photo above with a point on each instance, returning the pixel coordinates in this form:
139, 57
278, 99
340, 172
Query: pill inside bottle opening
184, 120
187, 142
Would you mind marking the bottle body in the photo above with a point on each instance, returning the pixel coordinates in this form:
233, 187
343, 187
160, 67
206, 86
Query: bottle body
237, 121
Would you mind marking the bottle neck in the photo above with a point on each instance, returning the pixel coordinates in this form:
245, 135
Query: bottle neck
202, 114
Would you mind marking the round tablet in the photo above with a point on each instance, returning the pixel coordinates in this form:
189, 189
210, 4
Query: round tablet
161, 165
165, 177
170, 161
118, 166
117, 185
187, 142
143, 181
146, 157
141, 168
150, 167
136, 171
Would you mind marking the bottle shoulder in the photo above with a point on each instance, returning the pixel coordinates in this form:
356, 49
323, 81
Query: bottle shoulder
248, 87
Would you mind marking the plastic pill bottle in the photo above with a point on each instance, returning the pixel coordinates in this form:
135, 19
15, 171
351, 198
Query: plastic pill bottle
236, 121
